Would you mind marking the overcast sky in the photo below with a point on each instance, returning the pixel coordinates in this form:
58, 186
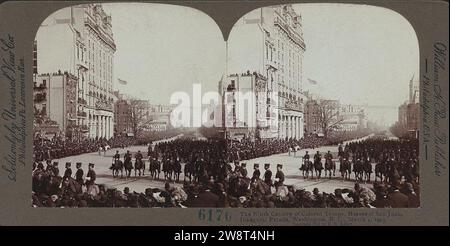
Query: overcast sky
357, 53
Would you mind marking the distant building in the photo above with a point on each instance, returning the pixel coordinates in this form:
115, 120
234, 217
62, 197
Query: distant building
352, 118
408, 112
312, 118
122, 117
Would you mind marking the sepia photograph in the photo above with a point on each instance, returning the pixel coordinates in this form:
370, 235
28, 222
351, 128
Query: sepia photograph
145, 105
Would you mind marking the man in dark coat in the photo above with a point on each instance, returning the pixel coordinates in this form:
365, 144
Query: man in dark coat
55, 169
244, 171
204, 199
256, 172
68, 171
267, 174
381, 200
396, 198
413, 198
79, 174
91, 176
279, 176
116, 156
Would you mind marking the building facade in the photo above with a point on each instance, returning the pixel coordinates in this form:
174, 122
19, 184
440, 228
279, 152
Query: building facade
273, 47
55, 101
409, 112
122, 117
79, 40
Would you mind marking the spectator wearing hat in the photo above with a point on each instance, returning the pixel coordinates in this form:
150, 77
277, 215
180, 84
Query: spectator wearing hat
381, 200
396, 198
68, 171
267, 174
413, 198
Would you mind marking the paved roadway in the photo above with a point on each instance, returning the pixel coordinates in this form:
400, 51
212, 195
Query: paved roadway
291, 165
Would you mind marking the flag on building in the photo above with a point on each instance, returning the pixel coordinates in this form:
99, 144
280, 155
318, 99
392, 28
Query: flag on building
313, 82
122, 82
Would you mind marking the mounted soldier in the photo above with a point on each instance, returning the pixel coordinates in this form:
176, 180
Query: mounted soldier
79, 174
256, 172
267, 174
68, 171
127, 163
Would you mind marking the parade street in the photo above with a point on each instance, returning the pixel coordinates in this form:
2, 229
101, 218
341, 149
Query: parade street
291, 165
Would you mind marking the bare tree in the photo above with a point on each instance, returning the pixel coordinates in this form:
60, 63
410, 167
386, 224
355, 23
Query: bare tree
139, 110
328, 116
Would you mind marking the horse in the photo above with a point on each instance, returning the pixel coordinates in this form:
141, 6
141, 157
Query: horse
344, 168
318, 168
128, 166
139, 166
188, 170
367, 168
380, 170
177, 170
117, 166
155, 169
167, 169
306, 168
330, 167
358, 170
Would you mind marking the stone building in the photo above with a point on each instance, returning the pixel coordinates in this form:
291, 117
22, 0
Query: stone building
79, 40
55, 101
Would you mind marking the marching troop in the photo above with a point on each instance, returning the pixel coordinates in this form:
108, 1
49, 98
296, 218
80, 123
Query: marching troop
216, 175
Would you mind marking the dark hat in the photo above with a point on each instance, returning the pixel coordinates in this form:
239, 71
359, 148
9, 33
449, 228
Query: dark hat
267, 165
236, 163
78, 164
280, 165
68, 164
48, 161
256, 165
91, 164
244, 164
55, 163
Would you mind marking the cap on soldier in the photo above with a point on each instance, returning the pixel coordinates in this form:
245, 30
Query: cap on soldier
267, 165
279, 165
256, 165
91, 164
68, 164
244, 164
78, 164
55, 163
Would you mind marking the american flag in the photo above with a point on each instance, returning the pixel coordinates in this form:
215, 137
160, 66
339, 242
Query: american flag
313, 82
122, 82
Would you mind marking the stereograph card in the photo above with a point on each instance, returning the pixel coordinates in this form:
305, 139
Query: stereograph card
254, 113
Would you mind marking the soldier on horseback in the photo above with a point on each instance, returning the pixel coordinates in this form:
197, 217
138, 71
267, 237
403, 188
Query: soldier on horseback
127, 163
267, 174
306, 166
330, 166
318, 164
117, 165
139, 164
